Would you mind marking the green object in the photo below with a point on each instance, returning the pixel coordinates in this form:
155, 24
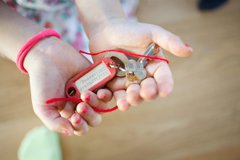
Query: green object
40, 144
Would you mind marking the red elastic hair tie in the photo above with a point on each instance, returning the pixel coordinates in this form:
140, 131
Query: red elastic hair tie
30, 44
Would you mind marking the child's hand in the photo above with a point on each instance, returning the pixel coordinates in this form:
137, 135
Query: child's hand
135, 37
50, 64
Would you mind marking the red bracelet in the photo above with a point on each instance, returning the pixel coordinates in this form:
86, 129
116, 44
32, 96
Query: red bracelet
30, 43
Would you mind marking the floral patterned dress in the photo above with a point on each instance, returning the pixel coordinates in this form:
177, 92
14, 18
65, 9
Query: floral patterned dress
62, 15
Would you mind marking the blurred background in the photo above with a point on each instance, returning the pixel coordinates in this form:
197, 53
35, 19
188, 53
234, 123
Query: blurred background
200, 120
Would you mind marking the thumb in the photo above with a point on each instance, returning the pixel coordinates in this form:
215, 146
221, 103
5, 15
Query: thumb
170, 42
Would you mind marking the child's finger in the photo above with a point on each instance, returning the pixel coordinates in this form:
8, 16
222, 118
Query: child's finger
92, 99
170, 42
51, 117
104, 95
88, 114
117, 84
152, 66
121, 100
79, 124
162, 74
67, 110
163, 77
133, 96
148, 89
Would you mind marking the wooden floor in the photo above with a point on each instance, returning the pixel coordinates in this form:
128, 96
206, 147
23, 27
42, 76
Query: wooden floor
199, 121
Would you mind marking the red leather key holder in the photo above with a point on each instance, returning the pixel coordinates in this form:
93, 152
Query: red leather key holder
91, 78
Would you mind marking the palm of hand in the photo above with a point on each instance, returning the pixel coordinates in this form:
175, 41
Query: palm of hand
48, 79
130, 36
135, 37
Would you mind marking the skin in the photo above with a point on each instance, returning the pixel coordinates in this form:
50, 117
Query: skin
136, 37
110, 29
52, 62
60, 116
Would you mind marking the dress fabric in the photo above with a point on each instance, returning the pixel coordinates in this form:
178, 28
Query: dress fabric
62, 16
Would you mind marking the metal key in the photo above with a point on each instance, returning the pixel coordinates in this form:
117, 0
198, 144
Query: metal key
152, 49
135, 71
120, 60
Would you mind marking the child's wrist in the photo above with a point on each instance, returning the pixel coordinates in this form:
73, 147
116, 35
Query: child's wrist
53, 53
32, 43
41, 53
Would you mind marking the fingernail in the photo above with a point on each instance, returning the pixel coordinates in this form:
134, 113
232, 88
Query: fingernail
104, 96
188, 46
78, 121
87, 98
85, 109
77, 118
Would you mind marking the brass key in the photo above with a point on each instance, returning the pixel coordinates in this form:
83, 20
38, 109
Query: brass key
135, 71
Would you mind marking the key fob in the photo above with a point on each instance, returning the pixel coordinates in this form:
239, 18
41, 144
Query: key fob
92, 78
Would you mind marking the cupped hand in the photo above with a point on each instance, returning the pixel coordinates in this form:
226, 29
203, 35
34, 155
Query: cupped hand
136, 37
50, 64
